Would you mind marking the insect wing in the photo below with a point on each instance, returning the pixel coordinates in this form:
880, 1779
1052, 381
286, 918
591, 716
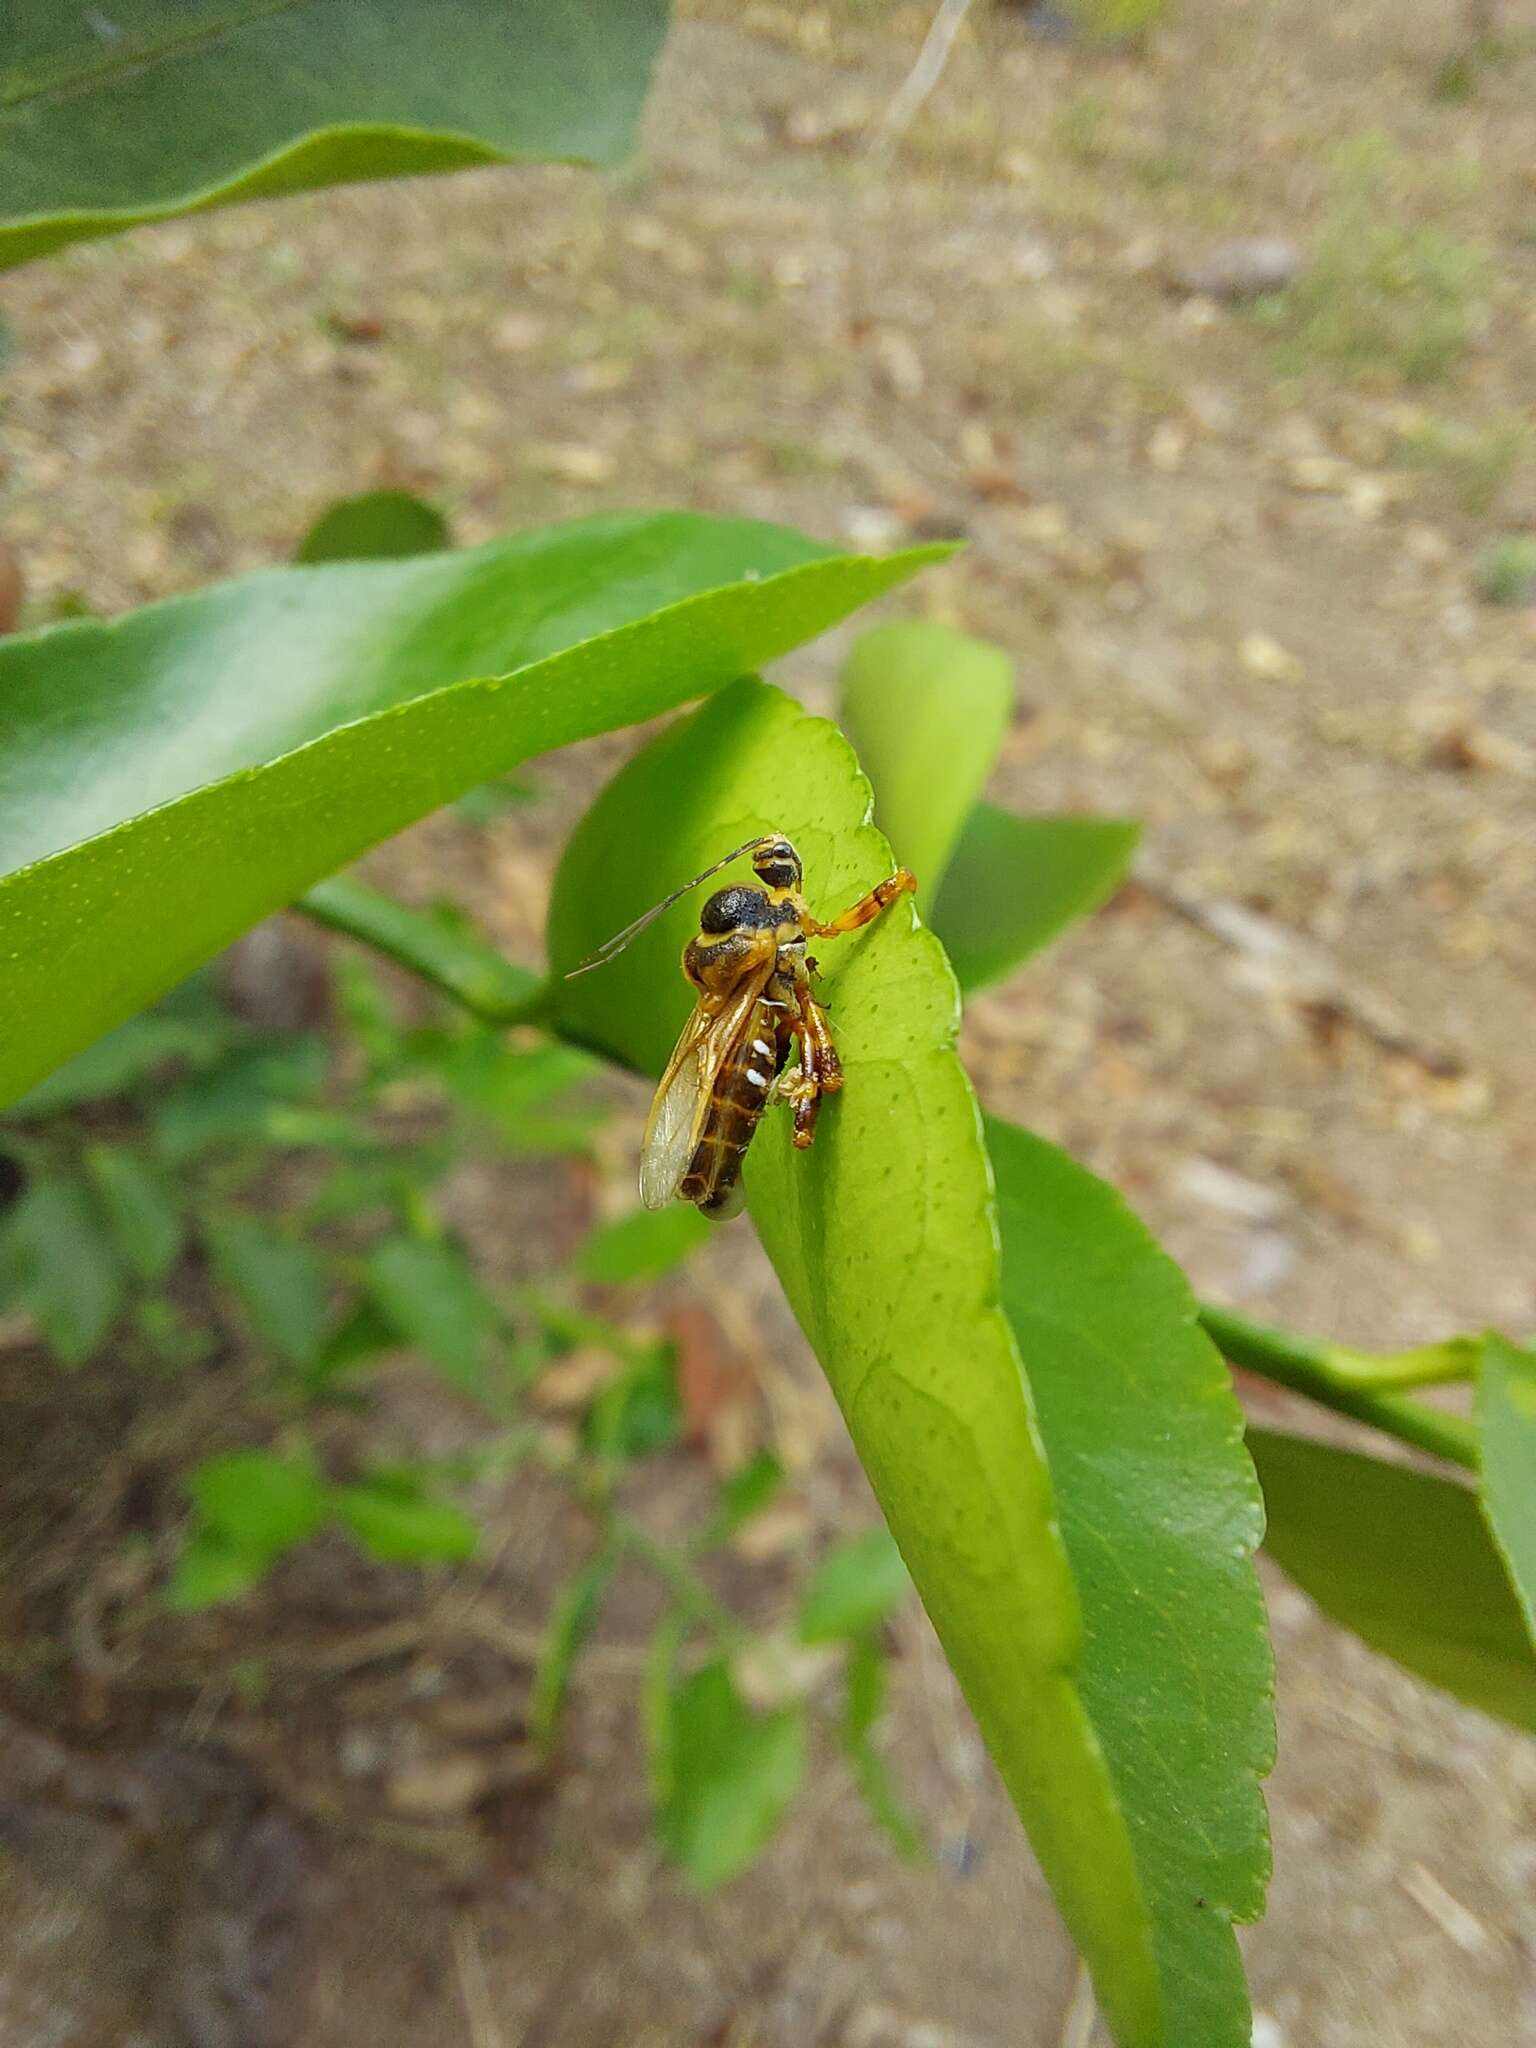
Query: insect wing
676, 1122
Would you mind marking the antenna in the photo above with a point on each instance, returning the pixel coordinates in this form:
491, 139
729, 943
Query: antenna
620, 940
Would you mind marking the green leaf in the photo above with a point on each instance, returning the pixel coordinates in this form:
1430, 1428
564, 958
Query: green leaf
863, 1708
377, 526
359, 1335
173, 106
1406, 1562
1161, 1516
239, 1102
428, 1290
258, 1501
210, 1569
884, 1237
638, 1413
394, 1520
1017, 883
926, 708
641, 1245
169, 778
512, 1089
732, 1775
744, 1494
1507, 1413
67, 1267
282, 1284
854, 1588
141, 1211
570, 1624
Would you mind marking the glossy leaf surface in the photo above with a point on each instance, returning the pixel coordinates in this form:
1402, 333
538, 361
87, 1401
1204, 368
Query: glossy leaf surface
160, 107
926, 708
1015, 884
1507, 1413
1405, 1561
1161, 1515
885, 1240
171, 777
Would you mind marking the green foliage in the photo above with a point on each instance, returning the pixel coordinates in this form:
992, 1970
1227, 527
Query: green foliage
140, 1208
744, 1494
855, 1587
63, 1266
571, 1622
209, 106
1405, 1561
729, 1773
638, 1413
1507, 1415
280, 1281
429, 1293
1507, 572
641, 1245
883, 1238
393, 1517
377, 526
926, 708
169, 778
1161, 1516
864, 1705
1017, 883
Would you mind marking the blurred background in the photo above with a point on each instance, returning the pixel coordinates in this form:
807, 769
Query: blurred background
1214, 341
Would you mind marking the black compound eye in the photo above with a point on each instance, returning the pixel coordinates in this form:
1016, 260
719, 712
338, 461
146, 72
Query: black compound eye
726, 909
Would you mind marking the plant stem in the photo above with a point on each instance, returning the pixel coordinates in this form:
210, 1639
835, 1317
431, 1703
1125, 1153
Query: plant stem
1315, 1370
462, 966
687, 1583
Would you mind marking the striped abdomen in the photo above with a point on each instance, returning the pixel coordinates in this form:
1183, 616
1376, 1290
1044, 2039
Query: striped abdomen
736, 1101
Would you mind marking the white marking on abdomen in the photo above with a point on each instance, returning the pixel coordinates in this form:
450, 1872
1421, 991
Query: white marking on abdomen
758, 1080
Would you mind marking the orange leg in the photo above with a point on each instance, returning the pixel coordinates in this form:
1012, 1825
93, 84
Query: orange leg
821, 1071
867, 908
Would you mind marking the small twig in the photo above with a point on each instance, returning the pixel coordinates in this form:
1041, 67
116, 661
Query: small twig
1308, 1368
925, 73
469, 970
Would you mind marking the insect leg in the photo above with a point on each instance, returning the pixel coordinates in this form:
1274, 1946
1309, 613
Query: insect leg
867, 908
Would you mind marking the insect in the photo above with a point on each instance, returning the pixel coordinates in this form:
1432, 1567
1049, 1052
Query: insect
752, 972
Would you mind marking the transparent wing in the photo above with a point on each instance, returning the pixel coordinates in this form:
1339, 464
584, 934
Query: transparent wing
676, 1122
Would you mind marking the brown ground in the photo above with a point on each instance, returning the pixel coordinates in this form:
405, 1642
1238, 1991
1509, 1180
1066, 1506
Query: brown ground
1244, 607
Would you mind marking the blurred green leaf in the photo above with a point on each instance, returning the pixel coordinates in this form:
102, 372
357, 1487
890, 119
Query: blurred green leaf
282, 1284
863, 1709
210, 1569
883, 1236
1161, 1516
744, 1494
733, 1774
854, 1588
926, 708
239, 1102
638, 1413
1507, 1413
1404, 1560
394, 1519
141, 1210
1017, 883
65, 1267
641, 1245
428, 1290
570, 1624
210, 105
513, 1089
260, 1502
361, 1333
375, 526
193, 1030
168, 778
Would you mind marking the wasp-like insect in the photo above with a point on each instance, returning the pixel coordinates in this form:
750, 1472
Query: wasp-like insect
753, 975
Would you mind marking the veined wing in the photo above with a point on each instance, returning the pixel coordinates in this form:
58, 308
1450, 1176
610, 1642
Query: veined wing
676, 1122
